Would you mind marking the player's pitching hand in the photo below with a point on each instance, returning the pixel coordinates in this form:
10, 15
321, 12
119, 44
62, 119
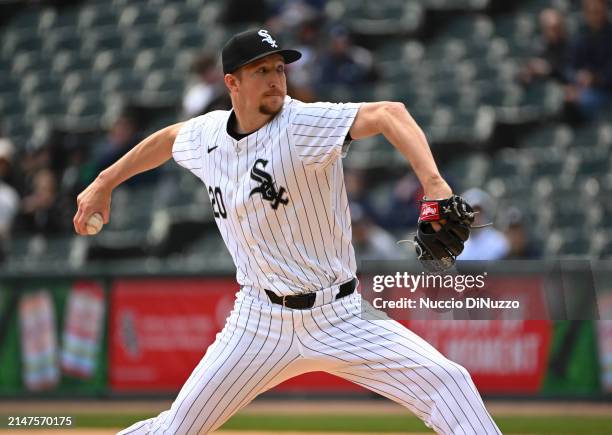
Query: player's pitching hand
96, 198
438, 190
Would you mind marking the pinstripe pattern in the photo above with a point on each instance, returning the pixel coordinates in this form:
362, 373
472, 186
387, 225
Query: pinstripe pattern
302, 245
288, 249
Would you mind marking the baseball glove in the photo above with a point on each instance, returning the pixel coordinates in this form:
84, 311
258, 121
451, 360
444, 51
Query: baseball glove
438, 250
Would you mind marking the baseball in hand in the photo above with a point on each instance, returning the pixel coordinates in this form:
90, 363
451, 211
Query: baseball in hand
94, 224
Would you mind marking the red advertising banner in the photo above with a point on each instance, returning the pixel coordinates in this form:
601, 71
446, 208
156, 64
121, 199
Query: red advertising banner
161, 328
502, 356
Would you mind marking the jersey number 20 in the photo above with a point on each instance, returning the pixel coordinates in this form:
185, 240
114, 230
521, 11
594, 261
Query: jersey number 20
216, 199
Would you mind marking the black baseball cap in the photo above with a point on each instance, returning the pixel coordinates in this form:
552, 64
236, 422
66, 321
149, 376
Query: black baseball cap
251, 45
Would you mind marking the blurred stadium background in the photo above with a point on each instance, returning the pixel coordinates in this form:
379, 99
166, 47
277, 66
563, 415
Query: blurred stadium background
81, 82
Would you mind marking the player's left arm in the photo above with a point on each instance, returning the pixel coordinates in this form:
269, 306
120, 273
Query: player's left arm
392, 120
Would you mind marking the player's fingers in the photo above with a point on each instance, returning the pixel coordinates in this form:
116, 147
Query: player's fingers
105, 212
76, 221
437, 226
81, 222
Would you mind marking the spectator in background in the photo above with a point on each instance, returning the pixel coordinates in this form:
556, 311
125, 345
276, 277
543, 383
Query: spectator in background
244, 11
122, 137
344, 63
403, 210
301, 77
486, 243
40, 210
208, 91
551, 58
369, 240
519, 241
590, 63
356, 182
9, 198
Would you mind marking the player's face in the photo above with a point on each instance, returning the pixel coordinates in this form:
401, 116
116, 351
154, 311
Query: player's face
263, 84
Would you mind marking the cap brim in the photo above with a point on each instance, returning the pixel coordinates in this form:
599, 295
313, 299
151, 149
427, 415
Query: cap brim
290, 56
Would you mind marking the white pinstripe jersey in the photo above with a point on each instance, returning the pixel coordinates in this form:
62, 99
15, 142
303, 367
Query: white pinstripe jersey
278, 194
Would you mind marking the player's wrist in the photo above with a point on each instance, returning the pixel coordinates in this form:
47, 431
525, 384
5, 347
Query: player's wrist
104, 182
437, 188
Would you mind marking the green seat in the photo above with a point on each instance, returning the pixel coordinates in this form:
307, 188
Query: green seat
63, 40
177, 15
34, 84
124, 82
184, 37
97, 16
14, 42
112, 60
556, 135
67, 62
24, 63
133, 17
52, 20
48, 105
149, 38
97, 41
80, 83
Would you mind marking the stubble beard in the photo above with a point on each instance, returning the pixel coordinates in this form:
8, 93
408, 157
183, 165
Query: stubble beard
269, 109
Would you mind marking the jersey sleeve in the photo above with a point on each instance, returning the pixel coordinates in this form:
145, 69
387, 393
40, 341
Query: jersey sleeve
319, 132
187, 147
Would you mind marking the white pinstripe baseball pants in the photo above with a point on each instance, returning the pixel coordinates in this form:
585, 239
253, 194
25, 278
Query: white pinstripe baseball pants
263, 344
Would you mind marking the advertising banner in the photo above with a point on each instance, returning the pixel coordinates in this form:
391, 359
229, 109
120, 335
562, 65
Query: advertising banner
52, 338
502, 356
160, 329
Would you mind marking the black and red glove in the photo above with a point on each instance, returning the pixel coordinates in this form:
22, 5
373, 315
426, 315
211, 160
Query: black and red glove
438, 249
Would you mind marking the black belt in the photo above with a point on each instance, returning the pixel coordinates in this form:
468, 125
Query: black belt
307, 300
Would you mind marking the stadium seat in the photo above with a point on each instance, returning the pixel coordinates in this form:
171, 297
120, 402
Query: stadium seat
135, 17
33, 84
24, 63
59, 40
152, 60
559, 136
43, 252
596, 165
52, 20
177, 15
67, 62
47, 105
183, 38
95, 42
474, 29
126, 83
144, 39
14, 42
112, 60
92, 17
163, 87
85, 111
27, 20
80, 83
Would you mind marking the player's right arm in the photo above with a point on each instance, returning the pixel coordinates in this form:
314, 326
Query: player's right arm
152, 152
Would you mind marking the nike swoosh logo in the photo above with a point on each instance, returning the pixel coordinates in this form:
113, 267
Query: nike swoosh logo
212, 149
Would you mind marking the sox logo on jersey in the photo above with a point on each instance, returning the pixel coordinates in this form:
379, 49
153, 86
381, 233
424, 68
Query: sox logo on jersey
266, 187
302, 246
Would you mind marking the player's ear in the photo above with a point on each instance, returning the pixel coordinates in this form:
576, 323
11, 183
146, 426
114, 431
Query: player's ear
231, 81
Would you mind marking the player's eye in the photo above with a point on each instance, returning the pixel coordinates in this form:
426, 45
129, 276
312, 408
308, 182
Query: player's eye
280, 68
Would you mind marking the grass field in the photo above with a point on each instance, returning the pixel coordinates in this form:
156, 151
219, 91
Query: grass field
348, 423
344, 418
592, 425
